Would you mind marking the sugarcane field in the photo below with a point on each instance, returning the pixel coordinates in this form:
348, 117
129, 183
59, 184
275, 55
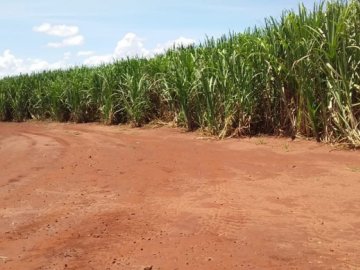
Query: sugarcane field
238, 151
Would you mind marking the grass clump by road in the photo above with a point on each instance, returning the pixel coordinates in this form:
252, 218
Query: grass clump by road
298, 74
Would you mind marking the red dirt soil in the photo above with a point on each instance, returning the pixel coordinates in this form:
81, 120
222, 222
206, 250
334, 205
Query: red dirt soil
96, 197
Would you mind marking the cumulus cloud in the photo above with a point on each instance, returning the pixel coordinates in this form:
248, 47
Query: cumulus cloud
99, 59
37, 65
181, 41
69, 33
132, 45
129, 46
61, 30
12, 65
67, 42
9, 64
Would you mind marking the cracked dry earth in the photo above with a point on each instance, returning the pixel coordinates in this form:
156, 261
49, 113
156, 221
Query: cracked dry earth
95, 197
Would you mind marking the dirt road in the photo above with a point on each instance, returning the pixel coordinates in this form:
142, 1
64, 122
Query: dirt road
96, 197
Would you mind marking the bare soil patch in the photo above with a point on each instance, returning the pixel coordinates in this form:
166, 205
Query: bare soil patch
95, 197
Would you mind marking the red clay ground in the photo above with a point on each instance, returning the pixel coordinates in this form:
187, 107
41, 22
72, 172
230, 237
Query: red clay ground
95, 197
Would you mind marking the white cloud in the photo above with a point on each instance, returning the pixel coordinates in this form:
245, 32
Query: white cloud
99, 59
57, 30
70, 33
37, 65
9, 64
181, 41
67, 42
12, 65
129, 46
85, 53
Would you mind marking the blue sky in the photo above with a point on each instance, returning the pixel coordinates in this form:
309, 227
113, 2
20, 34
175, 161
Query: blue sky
45, 34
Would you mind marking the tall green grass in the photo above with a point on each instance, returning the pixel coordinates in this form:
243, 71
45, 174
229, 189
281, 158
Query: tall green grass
296, 75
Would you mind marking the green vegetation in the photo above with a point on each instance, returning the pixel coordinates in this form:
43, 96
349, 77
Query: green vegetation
296, 75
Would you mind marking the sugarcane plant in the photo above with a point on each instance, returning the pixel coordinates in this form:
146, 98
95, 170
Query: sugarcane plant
296, 75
